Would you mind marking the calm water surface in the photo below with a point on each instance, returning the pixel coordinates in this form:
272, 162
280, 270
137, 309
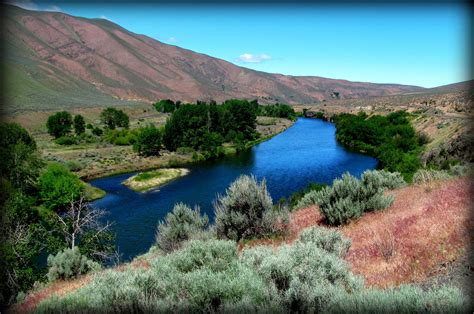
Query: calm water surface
306, 152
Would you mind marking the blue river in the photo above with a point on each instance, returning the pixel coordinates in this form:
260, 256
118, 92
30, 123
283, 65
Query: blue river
306, 152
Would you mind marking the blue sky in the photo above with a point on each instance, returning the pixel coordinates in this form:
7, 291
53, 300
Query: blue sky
425, 45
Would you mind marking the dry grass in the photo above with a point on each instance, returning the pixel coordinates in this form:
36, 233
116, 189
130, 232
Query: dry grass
59, 288
406, 242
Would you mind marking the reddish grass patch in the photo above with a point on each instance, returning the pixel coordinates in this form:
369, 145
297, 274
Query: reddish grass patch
60, 287
406, 242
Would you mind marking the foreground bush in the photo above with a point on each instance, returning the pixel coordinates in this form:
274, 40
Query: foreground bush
348, 198
180, 225
209, 276
245, 211
69, 263
307, 274
405, 299
429, 175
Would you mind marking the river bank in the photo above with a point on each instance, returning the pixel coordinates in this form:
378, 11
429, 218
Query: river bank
98, 160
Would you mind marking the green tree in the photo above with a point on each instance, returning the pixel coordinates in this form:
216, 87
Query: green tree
20, 162
112, 118
58, 187
59, 124
149, 141
79, 124
165, 105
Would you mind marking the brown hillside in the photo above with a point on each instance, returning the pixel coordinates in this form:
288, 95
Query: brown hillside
54, 60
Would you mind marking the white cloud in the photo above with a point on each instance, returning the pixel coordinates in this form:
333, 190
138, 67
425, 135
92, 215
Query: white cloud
106, 18
172, 40
53, 8
25, 4
253, 58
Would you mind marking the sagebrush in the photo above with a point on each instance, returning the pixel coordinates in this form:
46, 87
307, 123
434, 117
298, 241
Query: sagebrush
348, 197
69, 263
181, 224
246, 210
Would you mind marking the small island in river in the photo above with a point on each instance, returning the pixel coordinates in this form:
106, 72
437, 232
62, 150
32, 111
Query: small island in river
148, 180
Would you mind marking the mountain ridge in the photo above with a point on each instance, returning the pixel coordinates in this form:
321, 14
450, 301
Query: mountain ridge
53, 59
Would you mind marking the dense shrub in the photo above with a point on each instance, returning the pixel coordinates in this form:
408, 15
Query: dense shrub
69, 263
58, 187
329, 240
277, 110
201, 277
148, 141
20, 161
66, 140
205, 126
306, 275
429, 175
166, 105
112, 118
209, 276
245, 211
79, 124
121, 137
383, 179
97, 131
459, 170
180, 225
348, 198
295, 197
405, 299
391, 139
59, 124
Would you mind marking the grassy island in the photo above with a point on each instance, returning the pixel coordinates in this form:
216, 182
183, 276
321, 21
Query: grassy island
151, 179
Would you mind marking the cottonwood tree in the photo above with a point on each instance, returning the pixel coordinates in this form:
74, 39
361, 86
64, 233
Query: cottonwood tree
81, 226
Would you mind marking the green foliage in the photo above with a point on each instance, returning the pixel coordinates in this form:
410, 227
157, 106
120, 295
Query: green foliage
325, 239
149, 141
89, 126
79, 124
295, 197
20, 163
429, 175
404, 299
166, 105
277, 110
305, 275
58, 187
74, 165
245, 211
348, 198
66, 140
389, 138
59, 124
308, 276
205, 127
180, 225
121, 137
97, 131
69, 263
201, 277
112, 118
